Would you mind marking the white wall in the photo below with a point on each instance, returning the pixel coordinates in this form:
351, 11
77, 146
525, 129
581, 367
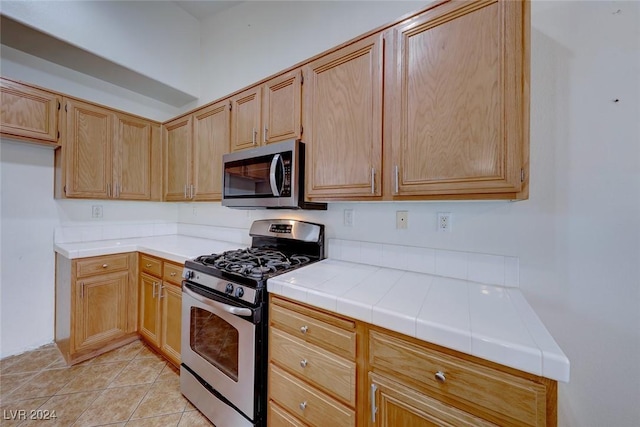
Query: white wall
577, 237
156, 39
256, 39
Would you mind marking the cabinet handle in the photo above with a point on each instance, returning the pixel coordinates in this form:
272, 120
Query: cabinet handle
160, 291
105, 265
255, 134
303, 405
191, 192
303, 363
304, 329
173, 274
117, 193
153, 293
185, 191
108, 189
264, 137
373, 181
81, 289
374, 408
148, 265
440, 376
397, 176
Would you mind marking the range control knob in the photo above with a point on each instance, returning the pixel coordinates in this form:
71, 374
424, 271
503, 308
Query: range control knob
187, 274
239, 292
229, 289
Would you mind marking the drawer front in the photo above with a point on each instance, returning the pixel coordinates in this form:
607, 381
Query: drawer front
307, 403
521, 401
332, 373
314, 331
152, 266
278, 417
103, 264
172, 273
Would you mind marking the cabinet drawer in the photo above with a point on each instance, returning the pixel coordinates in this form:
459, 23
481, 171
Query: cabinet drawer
151, 266
326, 370
278, 417
315, 331
172, 273
103, 264
307, 403
521, 401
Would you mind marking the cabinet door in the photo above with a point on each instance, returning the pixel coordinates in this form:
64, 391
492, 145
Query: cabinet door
211, 138
343, 121
100, 309
149, 308
171, 322
28, 113
89, 132
177, 138
245, 119
458, 112
394, 404
281, 111
132, 158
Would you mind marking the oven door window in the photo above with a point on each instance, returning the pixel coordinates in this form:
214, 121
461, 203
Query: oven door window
216, 340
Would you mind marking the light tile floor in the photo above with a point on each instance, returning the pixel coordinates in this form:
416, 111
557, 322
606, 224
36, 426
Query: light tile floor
131, 386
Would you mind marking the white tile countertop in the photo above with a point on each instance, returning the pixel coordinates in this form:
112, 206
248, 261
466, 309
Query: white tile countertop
492, 322
176, 248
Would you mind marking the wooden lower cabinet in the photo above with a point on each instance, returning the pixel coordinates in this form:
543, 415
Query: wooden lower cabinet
96, 305
326, 369
160, 311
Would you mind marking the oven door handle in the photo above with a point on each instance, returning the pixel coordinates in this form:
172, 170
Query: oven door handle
272, 174
238, 311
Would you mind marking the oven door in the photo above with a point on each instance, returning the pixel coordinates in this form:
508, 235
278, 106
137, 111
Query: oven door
218, 344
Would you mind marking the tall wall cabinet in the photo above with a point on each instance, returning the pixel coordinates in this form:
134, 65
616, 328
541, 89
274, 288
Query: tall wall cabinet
107, 154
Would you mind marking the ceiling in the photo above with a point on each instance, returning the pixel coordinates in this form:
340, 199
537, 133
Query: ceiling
203, 9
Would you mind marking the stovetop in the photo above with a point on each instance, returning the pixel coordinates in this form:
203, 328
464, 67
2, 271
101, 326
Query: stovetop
253, 263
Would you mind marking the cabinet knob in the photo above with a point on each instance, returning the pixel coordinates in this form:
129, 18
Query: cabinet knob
440, 376
304, 329
303, 405
173, 274
104, 266
303, 363
148, 265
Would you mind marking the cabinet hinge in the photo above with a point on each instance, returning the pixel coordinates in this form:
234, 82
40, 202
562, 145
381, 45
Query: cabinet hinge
64, 189
521, 175
230, 106
58, 134
58, 105
301, 79
65, 108
301, 130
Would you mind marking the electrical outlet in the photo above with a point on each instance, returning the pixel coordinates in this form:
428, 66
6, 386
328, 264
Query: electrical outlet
96, 211
444, 222
348, 217
402, 220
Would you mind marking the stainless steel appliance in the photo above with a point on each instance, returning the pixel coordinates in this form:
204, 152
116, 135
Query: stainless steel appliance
266, 177
224, 319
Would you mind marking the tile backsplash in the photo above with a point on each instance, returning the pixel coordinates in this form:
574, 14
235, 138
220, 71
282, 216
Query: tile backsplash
483, 268
83, 232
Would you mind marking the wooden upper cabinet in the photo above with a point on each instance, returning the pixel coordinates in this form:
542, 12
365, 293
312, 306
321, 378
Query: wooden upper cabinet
459, 93
211, 139
28, 113
282, 108
343, 121
245, 119
177, 155
89, 132
132, 158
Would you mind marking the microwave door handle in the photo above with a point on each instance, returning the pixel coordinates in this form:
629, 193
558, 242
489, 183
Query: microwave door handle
272, 175
238, 311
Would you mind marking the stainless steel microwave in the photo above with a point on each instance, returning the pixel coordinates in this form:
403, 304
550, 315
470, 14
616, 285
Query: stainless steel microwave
271, 176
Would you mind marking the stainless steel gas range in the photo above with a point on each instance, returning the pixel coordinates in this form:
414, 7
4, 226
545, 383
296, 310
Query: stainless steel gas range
224, 319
